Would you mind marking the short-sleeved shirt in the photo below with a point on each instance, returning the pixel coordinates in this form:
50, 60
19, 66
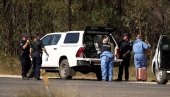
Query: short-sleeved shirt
124, 47
26, 50
37, 46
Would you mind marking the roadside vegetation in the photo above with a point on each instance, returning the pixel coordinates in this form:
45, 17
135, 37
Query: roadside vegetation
9, 65
148, 17
12, 66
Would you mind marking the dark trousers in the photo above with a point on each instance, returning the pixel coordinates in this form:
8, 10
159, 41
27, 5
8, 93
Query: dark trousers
26, 65
36, 61
124, 65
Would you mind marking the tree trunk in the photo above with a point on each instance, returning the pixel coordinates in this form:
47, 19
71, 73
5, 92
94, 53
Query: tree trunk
68, 23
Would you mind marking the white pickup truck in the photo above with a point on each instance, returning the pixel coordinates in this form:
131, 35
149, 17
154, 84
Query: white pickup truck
75, 51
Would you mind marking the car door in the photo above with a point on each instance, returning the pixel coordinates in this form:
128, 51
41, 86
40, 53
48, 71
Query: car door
164, 52
50, 42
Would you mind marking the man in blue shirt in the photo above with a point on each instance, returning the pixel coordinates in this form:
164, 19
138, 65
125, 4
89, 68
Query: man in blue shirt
139, 48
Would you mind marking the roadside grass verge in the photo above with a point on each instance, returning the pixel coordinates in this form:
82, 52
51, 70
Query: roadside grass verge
9, 65
12, 66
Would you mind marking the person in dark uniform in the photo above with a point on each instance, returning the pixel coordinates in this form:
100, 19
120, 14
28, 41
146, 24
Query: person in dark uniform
24, 58
106, 61
125, 50
36, 49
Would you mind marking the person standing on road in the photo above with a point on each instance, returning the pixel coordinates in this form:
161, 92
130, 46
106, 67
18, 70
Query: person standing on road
36, 49
24, 58
139, 48
106, 58
125, 50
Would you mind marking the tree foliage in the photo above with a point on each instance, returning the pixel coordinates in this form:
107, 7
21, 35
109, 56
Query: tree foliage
148, 17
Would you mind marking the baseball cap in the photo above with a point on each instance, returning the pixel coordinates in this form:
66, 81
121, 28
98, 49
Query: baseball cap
24, 36
125, 34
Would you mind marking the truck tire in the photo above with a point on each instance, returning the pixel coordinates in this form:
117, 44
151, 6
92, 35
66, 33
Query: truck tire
64, 70
160, 76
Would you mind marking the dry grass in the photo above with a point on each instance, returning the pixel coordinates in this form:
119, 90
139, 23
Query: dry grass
12, 66
9, 65
150, 76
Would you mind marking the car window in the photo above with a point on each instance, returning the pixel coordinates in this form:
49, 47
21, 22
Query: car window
47, 40
71, 38
56, 39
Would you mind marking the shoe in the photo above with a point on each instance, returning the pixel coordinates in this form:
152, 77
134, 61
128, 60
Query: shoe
126, 79
25, 78
31, 76
118, 80
138, 80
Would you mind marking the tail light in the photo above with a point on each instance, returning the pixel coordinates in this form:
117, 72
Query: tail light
80, 52
117, 52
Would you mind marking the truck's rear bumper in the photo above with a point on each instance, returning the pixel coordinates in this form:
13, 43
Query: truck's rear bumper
93, 61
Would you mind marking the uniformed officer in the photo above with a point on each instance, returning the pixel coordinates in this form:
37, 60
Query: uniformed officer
125, 50
139, 48
106, 61
24, 58
36, 54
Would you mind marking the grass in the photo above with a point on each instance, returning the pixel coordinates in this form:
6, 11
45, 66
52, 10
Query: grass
12, 66
9, 65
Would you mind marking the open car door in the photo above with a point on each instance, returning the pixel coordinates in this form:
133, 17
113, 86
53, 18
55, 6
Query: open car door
164, 49
162, 58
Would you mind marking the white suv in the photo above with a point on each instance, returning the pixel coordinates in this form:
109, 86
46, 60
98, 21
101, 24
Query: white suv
75, 51
161, 60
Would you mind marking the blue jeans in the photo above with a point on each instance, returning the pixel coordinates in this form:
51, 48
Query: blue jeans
107, 66
140, 60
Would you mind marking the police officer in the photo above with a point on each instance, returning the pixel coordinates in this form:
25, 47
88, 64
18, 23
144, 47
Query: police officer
24, 58
106, 60
125, 50
139, 48
36, 54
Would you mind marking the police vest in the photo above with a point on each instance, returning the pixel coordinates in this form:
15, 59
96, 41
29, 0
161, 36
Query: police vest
106, 47
37, 46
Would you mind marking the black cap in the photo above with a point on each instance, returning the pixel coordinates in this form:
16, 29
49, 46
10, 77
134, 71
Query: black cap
24, 34
125, 34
